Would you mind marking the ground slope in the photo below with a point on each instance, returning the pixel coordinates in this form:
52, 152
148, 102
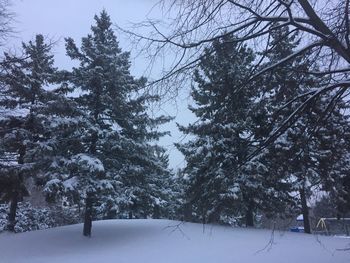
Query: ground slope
153, 241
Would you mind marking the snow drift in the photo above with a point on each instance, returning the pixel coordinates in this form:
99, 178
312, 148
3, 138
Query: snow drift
161, 241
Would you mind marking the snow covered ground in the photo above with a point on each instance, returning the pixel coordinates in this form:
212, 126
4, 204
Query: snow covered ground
153, 241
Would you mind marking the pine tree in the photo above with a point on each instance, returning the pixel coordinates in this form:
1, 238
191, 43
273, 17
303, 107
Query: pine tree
301, 154
23, 99
230, 123
116, 143
145, 175
332, 155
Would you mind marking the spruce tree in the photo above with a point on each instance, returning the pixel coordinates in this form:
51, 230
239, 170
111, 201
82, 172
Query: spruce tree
230, 123
302, 154
117, 142
23, 99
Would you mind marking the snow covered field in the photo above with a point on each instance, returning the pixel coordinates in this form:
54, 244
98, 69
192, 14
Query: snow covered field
153, 241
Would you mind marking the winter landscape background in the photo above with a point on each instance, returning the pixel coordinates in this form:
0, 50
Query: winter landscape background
174, 131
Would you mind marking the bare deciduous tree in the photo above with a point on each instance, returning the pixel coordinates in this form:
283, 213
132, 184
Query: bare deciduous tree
6, 19
191, 26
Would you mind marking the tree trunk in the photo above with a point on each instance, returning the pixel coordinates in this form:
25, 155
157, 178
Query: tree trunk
88, 216
188, 212
214, 217
305, 211
320, 26
249, 216
12, 214
130, 214
156, 212
16, 193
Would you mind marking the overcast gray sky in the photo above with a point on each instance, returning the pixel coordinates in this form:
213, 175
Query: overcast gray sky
58, 19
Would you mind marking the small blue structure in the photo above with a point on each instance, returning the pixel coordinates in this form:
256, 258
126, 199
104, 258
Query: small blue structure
299, 227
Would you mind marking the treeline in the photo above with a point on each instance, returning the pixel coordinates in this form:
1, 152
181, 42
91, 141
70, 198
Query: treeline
84, 136
235, 168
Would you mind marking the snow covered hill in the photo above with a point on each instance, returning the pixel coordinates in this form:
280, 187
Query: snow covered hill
156, 241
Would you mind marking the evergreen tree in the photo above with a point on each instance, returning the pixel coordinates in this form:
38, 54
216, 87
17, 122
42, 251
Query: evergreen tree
23, 99
230, 117
302, 154
333, 163
145, 189
117, 150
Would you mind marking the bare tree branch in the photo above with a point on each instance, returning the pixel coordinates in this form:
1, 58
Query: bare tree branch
324, 31
287, 59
